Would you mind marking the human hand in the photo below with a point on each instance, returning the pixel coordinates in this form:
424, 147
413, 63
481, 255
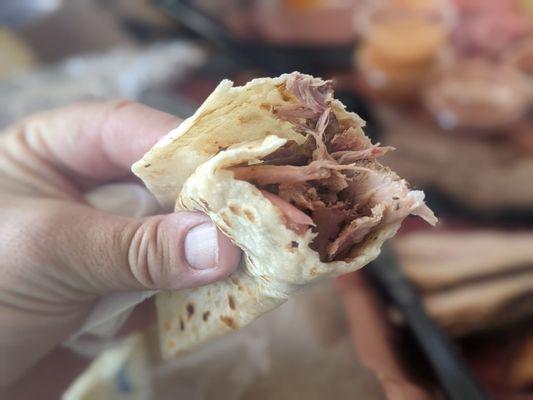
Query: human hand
58, 254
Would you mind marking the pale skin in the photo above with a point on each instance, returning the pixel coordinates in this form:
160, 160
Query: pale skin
58, 255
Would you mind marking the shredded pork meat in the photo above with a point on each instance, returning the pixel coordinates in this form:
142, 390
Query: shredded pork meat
326, 183
350, 156
294, 218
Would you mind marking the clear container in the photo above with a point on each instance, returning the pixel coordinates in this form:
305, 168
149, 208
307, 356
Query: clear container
477, 94
286, 22
403, 41
389, 81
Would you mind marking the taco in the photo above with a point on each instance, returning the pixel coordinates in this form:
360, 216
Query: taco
288, 175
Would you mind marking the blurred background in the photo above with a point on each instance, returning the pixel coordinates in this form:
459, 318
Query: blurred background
448, 83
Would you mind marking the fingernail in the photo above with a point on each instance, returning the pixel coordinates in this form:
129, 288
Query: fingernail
201, 246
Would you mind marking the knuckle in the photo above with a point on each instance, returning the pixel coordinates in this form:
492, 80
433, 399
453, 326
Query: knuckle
147, 252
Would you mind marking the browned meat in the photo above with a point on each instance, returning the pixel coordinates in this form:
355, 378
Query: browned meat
294, 218
300, 195
326, 176
334, 184
292, 153
269, 174
294, 114
352, 234
331, 128
350, 156
265, 174
329, 222
314, 94
349, 139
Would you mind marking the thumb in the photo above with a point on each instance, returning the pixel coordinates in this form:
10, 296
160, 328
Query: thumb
109, 253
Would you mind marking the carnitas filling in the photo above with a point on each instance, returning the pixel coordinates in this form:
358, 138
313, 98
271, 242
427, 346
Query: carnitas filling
331, 182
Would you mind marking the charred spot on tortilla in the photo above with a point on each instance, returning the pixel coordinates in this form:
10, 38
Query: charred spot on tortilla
283, 91
167, 325
290, 249
204, 203
249, 215
248, 118
190, 310
235, 209
226, 219
229, 321
236, 282
294, 244
147, 165
231, 302
205, 315
182, 325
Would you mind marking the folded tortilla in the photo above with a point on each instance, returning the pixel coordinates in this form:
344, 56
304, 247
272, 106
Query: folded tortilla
119, 373
289, 176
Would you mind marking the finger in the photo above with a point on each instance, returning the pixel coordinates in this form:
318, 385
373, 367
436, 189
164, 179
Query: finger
98, 140
106, 253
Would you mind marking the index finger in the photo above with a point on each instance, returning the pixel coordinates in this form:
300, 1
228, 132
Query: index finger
96, 140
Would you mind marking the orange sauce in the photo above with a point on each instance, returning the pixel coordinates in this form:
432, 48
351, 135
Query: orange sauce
300, 4
407, 41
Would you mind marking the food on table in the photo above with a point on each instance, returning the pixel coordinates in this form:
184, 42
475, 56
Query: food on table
287, 173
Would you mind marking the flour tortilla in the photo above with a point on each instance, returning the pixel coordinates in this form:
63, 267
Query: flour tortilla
188, 170
119, 373
230, 115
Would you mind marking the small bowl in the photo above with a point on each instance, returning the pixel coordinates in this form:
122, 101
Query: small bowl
290, 22
405, 32
403, 42
477, 94
389, 81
